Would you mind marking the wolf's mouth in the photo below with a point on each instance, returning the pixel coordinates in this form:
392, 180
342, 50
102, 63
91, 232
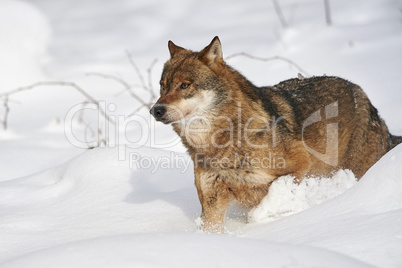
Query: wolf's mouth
165, 121
167, 116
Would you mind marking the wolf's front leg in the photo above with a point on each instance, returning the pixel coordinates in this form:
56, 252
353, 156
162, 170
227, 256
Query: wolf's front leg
213, 214
214, 196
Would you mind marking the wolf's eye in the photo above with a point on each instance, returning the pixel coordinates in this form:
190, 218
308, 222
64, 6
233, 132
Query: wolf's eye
184, 85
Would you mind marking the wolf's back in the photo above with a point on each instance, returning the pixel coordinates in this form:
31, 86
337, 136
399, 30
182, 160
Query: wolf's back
394, 141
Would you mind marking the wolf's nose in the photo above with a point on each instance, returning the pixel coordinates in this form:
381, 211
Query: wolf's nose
158, 111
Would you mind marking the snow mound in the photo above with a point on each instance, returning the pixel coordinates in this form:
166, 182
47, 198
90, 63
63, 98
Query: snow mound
286, 197
139, 204
94, 195
364, 222
182, 250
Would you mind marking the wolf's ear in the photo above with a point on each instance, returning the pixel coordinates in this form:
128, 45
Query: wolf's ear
173, 49
212, 53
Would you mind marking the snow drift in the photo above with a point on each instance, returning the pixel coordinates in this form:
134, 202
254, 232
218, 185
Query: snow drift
96, 195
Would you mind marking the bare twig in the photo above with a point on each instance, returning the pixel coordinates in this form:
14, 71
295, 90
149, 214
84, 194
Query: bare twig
88, 127
80, 117
99, 139
150, 86
327, 12
129, 88
6, 112
126, 86
136, 111
137, 70
124, 89
61, 83
279, 13
269, 59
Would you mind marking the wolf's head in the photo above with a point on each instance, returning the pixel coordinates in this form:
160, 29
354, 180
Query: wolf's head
190, 85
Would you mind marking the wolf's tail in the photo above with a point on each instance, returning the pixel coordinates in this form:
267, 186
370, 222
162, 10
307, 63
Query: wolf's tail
394, 141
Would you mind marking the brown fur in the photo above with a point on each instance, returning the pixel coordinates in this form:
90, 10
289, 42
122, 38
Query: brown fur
241, 137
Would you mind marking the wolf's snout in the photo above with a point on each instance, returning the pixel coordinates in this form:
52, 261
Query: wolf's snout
158, 111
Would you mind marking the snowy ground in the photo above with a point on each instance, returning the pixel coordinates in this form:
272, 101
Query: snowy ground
132, 203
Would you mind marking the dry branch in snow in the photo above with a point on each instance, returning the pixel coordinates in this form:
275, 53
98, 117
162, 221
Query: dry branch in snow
244, 54
148, 87
6, 112
60, 83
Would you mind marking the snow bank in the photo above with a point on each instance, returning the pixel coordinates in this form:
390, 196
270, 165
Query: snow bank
95, 200
182, 250
364, 222
286, 197
94, 195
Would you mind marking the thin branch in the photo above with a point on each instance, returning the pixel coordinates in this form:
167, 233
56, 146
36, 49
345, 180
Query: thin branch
269, 59
126, 86
80, 117
88, 127
6, 112
61, 83
50, 83
279, 13
137, 70
327, 12
150, 87
136, 111
124, 89
102, 140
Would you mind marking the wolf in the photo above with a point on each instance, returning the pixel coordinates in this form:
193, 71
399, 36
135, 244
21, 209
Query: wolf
242, 137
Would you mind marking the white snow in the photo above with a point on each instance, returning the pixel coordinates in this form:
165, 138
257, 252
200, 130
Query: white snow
24, 37
133, 202
364, 222
287, 197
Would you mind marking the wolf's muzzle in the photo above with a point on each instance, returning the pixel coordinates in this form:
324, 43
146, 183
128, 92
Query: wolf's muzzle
158, 111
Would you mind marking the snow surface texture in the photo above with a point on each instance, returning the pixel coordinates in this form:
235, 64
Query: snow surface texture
134, 204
